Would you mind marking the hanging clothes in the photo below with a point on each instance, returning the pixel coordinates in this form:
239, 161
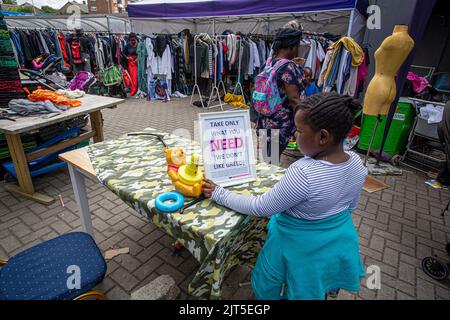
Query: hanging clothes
342, 70
64, 49
362, 73
131, 54
320, 81
142, 66
351, 84
339, 70
350, 45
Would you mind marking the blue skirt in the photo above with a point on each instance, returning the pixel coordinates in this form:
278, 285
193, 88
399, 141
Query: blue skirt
305, 259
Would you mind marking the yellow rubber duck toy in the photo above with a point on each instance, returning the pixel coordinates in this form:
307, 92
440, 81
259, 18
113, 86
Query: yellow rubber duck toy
187, 178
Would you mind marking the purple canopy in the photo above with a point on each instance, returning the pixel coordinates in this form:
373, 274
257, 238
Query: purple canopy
221, 8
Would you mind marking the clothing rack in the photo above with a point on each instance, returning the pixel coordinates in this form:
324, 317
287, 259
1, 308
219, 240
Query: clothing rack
196, 86
215, 87
325, 35
238, 81
215, 90
261, 36
65, 30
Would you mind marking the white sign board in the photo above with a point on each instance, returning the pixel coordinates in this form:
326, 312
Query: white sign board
227, 146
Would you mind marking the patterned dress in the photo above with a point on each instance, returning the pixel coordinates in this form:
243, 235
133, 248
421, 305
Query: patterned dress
284, 119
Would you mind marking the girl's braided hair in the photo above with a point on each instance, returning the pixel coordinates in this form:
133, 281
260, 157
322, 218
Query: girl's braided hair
330, 111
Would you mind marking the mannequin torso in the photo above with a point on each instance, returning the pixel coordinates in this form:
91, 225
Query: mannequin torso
388, 59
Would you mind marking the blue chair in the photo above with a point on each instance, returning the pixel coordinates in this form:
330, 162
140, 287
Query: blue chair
44, 271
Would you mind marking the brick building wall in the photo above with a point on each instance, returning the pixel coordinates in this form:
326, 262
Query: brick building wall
107, 6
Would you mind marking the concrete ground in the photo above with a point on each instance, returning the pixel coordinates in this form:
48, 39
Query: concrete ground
397, 227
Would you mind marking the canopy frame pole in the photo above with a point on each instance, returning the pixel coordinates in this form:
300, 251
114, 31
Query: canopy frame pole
350, 23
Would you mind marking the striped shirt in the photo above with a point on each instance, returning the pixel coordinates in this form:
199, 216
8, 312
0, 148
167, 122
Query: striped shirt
311, 189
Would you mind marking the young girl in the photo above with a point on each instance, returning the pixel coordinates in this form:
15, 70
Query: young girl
312, 246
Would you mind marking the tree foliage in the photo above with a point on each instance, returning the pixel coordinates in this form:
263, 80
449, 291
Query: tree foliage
48, 9
10, 2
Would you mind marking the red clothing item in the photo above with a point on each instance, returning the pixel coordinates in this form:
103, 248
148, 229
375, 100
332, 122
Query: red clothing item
62, 44
133, 71
362, 72
225, 49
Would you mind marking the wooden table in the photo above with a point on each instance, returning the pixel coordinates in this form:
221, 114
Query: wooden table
90, 104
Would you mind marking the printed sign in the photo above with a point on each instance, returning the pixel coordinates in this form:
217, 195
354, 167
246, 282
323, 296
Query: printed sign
227, 146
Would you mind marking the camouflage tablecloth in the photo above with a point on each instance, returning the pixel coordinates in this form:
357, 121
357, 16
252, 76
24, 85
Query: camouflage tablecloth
135, 169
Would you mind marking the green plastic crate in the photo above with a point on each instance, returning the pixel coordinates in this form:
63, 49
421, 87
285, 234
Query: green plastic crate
83, 144
397, 138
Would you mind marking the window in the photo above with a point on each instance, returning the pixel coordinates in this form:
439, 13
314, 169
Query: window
94, 9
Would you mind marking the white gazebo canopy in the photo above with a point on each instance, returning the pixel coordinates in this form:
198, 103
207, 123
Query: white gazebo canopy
88, 22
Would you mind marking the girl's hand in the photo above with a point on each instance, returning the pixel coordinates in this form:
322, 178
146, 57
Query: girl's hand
208, 188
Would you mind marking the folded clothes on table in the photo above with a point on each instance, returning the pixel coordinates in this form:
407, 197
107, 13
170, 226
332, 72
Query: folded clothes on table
72, 94
27, 107
55, 97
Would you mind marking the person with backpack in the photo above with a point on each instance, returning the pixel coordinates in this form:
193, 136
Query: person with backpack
80, 47
279, 89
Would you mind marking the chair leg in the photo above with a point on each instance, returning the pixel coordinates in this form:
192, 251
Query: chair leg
92, 294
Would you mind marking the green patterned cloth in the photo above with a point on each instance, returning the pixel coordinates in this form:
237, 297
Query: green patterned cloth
135, 169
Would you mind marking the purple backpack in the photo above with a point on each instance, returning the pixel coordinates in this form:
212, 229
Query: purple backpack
82, 81
266, 97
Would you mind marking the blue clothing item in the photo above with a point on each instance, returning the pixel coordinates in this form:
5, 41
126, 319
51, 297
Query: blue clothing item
43, 43
306, 259
151, 93
347, 70
50, 59
334, 69
311, 89
16, 40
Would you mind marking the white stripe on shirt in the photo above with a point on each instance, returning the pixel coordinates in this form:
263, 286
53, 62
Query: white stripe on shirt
311, 189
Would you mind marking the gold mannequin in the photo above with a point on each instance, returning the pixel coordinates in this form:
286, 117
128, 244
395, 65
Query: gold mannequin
388, 59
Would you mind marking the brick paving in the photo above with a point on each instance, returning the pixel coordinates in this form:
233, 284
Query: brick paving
397, 227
